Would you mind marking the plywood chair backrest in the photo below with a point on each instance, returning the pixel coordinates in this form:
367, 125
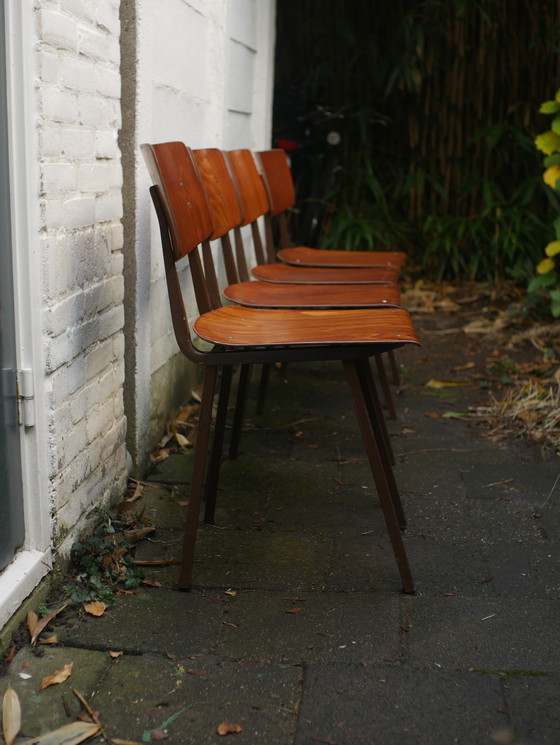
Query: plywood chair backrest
251, 189
254, 202
220, 190
173, 171
278, 180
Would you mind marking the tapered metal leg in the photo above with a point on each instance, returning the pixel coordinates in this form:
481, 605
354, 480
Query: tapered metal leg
237, 425
263, 386
382, 436
363, 413
394, 367
387, 395
213, 470
197, 477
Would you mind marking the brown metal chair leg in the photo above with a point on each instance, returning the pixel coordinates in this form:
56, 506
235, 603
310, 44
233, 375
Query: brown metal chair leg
197, 477
214, 462
382, 437
263, 386
362, 408
385, 387
237, 425
394, 368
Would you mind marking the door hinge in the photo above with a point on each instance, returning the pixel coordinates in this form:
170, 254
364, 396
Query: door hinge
25, 396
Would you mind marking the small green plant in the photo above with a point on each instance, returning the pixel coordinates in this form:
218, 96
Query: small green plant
101, 563
547, 281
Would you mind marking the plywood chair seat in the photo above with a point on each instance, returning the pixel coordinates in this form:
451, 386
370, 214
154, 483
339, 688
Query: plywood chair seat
289, 274
236, 326
280, 295
246, 336
307, 256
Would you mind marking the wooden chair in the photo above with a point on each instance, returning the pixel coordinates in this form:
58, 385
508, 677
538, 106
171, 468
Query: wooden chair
281, 196
255, 205
225, 209
241, 336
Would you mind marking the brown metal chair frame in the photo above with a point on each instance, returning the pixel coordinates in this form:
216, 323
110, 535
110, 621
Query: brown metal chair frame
242, 336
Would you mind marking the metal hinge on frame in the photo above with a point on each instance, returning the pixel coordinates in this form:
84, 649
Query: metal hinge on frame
25, 396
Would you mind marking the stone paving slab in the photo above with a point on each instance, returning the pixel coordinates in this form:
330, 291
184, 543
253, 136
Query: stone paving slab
310, 627
524, 571
188, 699
158, 620
390, 706
525, 482
534, 707
296, 628
55, 706
495, 635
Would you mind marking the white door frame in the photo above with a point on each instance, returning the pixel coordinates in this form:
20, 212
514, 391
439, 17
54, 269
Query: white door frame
33, 559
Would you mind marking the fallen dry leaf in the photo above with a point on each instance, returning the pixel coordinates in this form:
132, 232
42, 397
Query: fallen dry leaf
447, 383
51, 640
137, 534
150, 583
97, 608
293, 610
182, 441
11, 715
85, 716
115, 655
44, 622
160, 456
228, 728
59, 676
32, 619
69, 734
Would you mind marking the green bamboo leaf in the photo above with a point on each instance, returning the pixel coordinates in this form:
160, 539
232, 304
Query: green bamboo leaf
555, 125
550, 107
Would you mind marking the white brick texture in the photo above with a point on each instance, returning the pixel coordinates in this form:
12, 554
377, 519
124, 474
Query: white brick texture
81, 243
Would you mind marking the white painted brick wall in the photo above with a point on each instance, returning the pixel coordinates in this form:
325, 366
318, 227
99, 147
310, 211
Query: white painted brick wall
81, 243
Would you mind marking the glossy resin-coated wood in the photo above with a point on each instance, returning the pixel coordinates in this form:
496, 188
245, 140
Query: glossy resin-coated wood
237, 326
172, 169
276, 295
251, 191
220, 190
306, 256
323, 275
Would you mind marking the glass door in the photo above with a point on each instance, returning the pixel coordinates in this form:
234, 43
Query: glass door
11, 502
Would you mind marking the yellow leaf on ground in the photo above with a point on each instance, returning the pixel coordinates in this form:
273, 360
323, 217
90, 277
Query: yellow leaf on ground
114, 655
11, 715
447, 383
59, 676
69, 734
96, 608
228, 728
182, 440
